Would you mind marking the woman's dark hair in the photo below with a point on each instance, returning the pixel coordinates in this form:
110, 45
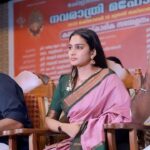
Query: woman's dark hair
115, 59
94, 44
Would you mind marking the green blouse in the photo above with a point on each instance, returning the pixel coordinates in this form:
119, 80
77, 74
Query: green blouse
60, 93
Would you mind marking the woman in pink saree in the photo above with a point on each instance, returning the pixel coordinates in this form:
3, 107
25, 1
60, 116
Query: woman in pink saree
90, 96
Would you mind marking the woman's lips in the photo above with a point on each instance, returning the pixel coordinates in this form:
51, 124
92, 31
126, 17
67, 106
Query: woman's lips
73, 59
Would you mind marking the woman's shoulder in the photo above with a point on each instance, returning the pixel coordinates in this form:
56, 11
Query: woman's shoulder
107, 72
64, 77
110, 75
114, 78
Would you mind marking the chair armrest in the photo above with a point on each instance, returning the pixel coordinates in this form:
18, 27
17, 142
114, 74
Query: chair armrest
33, 133
132, 129
126, 126
25, 131
28, 131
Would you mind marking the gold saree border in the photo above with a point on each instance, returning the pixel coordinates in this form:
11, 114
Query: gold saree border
87, 86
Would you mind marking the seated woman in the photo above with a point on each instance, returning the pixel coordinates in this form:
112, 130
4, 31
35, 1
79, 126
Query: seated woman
90, 96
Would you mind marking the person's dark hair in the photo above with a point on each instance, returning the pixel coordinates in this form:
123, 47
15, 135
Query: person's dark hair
94, 43
115, 59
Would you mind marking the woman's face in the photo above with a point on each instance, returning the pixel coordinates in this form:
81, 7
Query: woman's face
79, 51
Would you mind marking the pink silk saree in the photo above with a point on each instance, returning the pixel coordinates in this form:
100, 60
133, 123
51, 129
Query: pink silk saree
97, 101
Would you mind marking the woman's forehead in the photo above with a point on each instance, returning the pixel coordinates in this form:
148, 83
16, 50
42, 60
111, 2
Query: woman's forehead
77, 39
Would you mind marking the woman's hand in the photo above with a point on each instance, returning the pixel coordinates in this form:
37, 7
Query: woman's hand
70, 129
52, 124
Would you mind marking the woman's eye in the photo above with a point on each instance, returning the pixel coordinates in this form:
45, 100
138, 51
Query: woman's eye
69, 47
75, 47
79, 47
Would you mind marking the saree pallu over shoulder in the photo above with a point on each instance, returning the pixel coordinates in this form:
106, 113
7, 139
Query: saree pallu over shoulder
86, 87
101, 99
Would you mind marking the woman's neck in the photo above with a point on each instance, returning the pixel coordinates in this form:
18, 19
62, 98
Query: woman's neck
86, 71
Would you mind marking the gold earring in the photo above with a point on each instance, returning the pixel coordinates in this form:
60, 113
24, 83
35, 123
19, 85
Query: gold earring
92, 60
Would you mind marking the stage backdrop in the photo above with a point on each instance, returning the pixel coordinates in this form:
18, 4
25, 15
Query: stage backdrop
42, 28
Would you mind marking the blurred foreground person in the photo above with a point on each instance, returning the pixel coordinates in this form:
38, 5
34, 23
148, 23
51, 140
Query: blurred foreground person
140, 105
13, 112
